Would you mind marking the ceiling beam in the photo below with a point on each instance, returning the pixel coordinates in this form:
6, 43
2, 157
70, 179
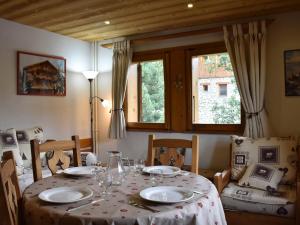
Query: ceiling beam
144, 40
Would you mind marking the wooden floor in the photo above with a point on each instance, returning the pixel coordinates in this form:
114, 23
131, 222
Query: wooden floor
245, 218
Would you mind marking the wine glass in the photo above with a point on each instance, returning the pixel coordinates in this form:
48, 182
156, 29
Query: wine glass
96, 172
106, 182
140, 165
126, 165
156, 177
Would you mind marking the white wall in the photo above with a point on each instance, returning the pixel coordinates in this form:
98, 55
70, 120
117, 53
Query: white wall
283, 34
284, 112
60, 117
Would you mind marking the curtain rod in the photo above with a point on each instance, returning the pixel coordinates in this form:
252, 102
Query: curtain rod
217, 29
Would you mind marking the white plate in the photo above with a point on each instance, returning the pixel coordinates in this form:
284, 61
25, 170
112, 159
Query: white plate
80, 171
66, 194
166, 194
164, 170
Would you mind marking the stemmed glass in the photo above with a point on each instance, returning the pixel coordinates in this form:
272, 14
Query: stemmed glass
126, 165
139, 165
156, 177
104, 180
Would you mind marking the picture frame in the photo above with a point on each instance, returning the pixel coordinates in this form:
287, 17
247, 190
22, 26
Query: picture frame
41, 75
292, 72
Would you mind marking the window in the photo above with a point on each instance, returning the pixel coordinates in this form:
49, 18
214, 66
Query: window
183, 89
146, 104
205, 87
222, 89
220, 108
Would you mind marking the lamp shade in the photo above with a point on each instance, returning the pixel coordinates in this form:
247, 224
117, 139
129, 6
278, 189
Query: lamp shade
90, 74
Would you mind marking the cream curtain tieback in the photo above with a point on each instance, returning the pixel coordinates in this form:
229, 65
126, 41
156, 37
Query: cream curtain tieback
249, 115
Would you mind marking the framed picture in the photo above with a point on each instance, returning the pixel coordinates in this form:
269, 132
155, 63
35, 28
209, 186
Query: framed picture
292, 72
40, 74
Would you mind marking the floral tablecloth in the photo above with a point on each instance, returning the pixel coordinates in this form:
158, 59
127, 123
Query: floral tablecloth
204, 210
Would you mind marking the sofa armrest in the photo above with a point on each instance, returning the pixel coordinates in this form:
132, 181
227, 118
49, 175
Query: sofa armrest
221, 179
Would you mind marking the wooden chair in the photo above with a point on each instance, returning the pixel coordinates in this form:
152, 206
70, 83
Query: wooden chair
10, 195
58, 158
171, 154
222, 179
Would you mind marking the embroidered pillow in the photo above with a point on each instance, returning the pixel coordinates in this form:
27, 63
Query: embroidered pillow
24, 137
8, 142
275, 151
262, 177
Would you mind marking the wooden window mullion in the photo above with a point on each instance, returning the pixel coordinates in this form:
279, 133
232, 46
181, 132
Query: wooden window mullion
139, 89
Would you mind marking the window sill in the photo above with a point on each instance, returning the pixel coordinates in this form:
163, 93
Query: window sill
207, 129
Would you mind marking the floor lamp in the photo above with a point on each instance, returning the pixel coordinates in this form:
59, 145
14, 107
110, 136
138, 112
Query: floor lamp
91, 75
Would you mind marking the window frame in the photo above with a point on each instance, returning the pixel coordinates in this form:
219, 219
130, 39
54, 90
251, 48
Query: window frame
142, 126
204, 49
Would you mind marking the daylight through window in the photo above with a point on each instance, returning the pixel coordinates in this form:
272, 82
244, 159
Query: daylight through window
220, 103
146, 92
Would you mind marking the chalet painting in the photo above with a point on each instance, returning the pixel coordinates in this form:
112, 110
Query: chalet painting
41, 75
292, 72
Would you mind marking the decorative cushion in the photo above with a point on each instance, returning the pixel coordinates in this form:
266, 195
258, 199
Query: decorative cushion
278, 152
24, 137
88, 158
8, 142
253, 200
262, 177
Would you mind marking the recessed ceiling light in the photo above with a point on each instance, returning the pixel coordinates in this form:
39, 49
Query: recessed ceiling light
107, 22
190, 5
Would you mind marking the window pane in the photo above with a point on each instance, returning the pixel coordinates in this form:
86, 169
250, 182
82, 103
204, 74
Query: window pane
153, 94
146, 92
223, 89
216, 99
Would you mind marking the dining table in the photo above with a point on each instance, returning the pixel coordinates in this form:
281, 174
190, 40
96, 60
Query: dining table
203, 208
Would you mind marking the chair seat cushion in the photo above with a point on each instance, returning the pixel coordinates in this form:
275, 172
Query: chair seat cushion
253, 200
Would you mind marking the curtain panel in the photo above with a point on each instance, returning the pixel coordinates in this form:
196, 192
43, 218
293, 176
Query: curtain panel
121, 62
247, 51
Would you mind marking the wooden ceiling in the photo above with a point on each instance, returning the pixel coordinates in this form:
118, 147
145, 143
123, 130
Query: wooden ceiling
84, 19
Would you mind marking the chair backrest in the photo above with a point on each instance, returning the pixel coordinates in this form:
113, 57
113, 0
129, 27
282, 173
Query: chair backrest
171, 154
58, 157
10, 196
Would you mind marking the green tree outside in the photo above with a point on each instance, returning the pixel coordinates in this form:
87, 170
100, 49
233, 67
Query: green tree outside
153, 92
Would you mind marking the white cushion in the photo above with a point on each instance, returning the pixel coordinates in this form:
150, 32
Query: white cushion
262, 177
87, 158
24, 137
8, 142
286, 194
26, 178
246, 199
278, 152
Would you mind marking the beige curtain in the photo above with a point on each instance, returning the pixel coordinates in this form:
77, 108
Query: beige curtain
247, 52
121, 62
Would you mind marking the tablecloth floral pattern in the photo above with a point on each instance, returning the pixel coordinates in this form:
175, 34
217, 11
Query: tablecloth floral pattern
204, 210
